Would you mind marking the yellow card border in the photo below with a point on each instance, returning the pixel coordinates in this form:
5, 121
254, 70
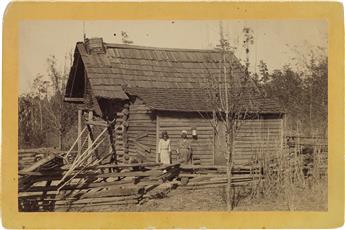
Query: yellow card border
17, 11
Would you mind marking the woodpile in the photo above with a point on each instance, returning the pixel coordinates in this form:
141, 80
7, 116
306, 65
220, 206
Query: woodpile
67, 188
27, 157
202, 177
42, 189
49, 184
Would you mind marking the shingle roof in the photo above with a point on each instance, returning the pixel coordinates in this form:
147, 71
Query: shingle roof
200, 100
137, 66
162, 70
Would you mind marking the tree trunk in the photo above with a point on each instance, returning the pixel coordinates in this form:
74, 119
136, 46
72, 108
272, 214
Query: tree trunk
41, 115
229, 163
60, 139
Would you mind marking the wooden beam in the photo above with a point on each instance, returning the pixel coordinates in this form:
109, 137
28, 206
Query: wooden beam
118, 166
214, 117
80, 113
157, 137
98, 123
90, 136
112, 144
74, 99
142, 146
141, 135
39, 163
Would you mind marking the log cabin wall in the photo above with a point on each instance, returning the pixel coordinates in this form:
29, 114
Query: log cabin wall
141, 132
259, 138
202, 146
114, 138
254, 139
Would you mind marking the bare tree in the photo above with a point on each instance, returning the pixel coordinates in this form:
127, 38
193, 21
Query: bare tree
42, 110
57, 110
231, 100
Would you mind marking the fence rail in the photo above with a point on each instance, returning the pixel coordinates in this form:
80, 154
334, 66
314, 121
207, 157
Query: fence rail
43, 171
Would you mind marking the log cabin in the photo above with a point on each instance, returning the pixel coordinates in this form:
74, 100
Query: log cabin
140, 91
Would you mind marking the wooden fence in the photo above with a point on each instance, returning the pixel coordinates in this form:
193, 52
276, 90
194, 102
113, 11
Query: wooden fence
49, 182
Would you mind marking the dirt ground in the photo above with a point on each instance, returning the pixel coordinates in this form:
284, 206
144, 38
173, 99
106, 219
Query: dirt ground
310, 199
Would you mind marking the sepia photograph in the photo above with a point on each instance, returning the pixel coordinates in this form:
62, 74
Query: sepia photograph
173, 115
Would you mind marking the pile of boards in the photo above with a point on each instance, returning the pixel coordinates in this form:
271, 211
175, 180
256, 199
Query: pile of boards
102, 185
27, 157
203, 177
106, 185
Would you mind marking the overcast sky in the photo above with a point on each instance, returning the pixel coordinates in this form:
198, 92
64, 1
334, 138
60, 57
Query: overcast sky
273, 39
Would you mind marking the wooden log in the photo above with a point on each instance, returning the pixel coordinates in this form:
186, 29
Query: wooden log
203, 187
128, 165
87, 205
106, 200
155, 172
39, 164
114, 184
184, 167
116, 192
160, 190
39, 151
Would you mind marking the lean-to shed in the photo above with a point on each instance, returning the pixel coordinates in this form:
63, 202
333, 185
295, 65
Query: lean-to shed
147, 90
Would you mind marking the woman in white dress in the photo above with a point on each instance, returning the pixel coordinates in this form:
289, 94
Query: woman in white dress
164, 149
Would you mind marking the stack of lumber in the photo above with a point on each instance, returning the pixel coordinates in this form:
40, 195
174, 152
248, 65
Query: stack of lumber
101, 185
66, 188
27, 157
204, 177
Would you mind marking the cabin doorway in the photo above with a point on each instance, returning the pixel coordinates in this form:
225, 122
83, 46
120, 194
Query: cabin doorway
220, 144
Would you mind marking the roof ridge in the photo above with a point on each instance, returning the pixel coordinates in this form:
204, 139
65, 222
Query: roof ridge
125, 46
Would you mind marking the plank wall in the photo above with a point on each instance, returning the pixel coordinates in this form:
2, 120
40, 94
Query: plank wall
254, 138
257, 138
202, 146
142, 125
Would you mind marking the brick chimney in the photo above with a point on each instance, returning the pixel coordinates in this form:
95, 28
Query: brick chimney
94, 46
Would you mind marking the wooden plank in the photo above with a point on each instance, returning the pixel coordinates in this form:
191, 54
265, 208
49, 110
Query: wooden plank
38, 164
90, 136
80, 114
97, 123
119, 166
39, 151
113, 192
114, 184
140, 136
105, 200
74, 99
127, 174
80, 207
142, 146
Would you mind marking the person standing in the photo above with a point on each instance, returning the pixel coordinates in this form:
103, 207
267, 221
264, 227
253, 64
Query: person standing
164, 149
184, 150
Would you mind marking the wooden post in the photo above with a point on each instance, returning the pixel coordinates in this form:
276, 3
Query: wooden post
214, 135
157, 138
89, 140
80, 113
282, 129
